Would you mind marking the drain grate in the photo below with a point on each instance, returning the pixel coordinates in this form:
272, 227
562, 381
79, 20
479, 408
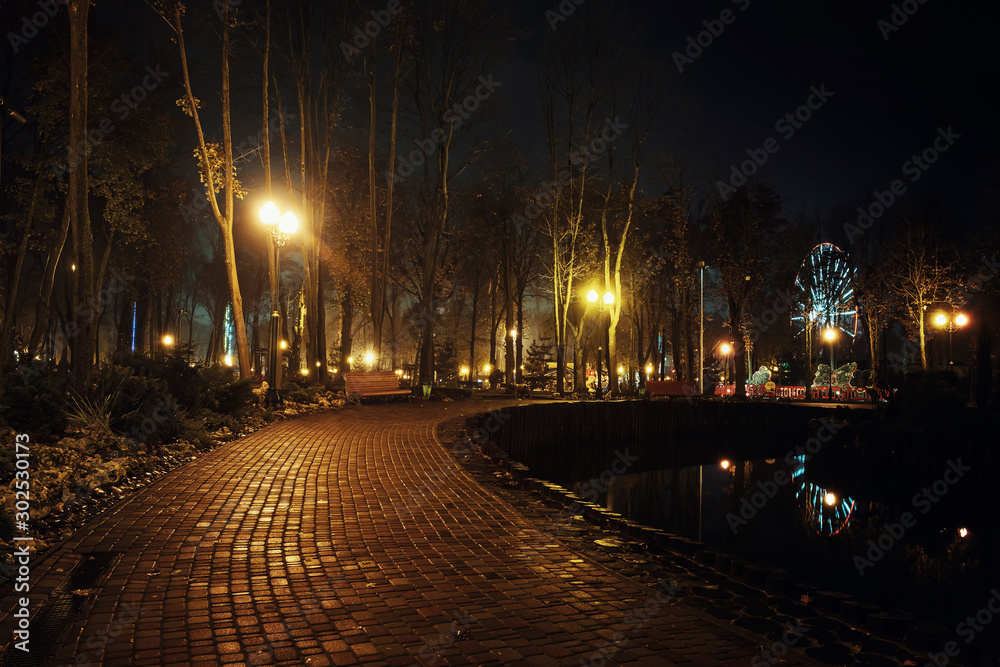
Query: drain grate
52, 622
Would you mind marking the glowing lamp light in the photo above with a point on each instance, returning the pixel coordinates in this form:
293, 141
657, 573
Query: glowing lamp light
609, 298
487, 368
830, 499
940, 319
318, 364
725, 348
592, 296
963, 532
288, 224
724, 464
168, 340
464, 370
829, 334
621, 370
350, 360
399, 371
229, 360
335, 371
269, 214
513, 334
369, 358
961, 320
649, 368
283, 345
305, 371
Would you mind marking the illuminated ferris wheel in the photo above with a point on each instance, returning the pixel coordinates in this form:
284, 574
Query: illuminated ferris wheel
825, 291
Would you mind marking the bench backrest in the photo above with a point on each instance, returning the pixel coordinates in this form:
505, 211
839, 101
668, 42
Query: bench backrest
359, 383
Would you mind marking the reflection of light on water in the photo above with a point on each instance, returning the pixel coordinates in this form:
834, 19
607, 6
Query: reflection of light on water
819, 506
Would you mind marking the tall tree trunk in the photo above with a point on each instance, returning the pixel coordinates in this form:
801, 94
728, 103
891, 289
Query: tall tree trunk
346, 328
520, 339
510, 359
83, 342
321, 317
739, 349
48, 282
472, 327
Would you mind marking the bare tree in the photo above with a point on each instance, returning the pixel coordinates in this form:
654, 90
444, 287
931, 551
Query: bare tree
215, 162
922, 273
743, 231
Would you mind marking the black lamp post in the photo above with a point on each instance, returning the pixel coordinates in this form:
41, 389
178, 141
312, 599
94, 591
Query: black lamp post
280, 227
830, 335
608, 299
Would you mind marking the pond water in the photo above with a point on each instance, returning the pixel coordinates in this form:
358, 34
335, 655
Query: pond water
929, 549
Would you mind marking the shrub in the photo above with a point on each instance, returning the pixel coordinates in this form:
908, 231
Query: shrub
36, 401
234, 398
296, 393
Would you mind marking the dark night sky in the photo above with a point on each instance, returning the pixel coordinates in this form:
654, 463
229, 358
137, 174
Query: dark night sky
939, 69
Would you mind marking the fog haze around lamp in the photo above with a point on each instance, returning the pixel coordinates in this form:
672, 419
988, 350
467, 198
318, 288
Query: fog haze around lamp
725, 348
592, 296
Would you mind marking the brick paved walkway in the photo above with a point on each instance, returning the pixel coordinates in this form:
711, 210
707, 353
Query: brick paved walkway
350, 537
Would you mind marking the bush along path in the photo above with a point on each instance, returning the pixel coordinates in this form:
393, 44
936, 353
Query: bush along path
91, 450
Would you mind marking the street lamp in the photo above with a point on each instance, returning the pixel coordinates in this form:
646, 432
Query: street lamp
513, 355
951, 325
281, 227
168, 341
726, 349
608, 299
701, 333
830, 336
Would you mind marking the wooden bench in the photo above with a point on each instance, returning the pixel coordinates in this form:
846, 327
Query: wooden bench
671, 388
377, 383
